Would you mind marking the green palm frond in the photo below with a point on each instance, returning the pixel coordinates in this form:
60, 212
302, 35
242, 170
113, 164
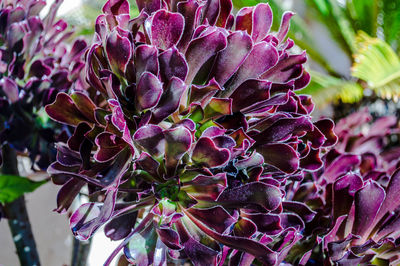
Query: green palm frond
377, 64
326, 89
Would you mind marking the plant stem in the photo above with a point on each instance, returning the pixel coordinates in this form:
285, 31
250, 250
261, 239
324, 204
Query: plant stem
80, 252
17, 215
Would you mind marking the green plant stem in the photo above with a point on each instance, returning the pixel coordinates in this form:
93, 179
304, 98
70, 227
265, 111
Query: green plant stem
18, 219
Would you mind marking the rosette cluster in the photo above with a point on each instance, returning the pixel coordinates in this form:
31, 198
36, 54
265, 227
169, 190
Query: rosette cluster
35, 64
355, 196
189, 134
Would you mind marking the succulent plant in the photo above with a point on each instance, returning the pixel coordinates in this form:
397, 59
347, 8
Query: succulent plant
355, 195
35, 64
189, 134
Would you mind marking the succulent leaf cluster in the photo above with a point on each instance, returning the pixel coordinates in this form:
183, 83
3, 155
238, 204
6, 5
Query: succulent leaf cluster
36, 63
189, 134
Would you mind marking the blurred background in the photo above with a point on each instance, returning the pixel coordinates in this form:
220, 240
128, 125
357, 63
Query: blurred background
353, 49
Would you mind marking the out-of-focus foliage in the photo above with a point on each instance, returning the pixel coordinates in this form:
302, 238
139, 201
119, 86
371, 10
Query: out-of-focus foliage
377, 64
12, 187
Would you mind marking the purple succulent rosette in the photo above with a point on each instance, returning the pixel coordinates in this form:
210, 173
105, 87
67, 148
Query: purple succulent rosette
355, 195
191, 135
35, 65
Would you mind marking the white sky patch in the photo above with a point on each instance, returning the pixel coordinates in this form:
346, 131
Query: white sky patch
101, 249
65, 7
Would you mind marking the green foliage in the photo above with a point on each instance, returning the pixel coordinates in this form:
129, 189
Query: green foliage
378, 65
327, 89
12, 187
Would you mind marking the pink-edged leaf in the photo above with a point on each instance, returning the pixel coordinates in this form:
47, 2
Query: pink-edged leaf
229, 60
149, 6
262, 252
284, 28
10, 89
66, 195
206, 187
344, 189
262, 22
244, 228
169, 237
367, 202
151, 138
172, 64
215, 218
218, 107
148, 91
166, 29
146, 60
283, 128
109, 145
201, 49
342, 164
262, 57
170, 100
269, 224
250, 92
281, 156
84, 104
286, 69
208, 154
177, 142
119, 51
64, 110
254, 193
244, 20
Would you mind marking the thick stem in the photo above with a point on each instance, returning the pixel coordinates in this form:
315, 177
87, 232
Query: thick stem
17, 215
80, 252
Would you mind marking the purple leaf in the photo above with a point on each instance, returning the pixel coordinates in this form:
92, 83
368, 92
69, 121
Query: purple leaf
170, 100
64, 110
109, 145
269, 224
281, 156
201, 49
10, 89
215, 218
262, 57
177, 142
344, 189
342, 164
263, 253
229, 60
166, 29
149, 6
146, 60
151, 138
169, 237
67, 194
283, 128
119, 51
120, 227
250, 92
208, 154
262, 22
367, 202
172, 64
244, 228
149, 90
284, 28
263, 195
